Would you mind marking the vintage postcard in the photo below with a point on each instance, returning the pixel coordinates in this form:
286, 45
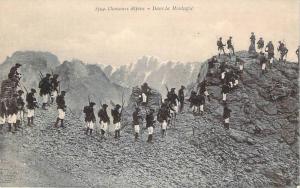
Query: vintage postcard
149, 93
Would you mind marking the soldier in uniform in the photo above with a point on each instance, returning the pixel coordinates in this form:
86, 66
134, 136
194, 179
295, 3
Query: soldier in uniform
282, 50
173, 99
226, 116
201, 101
45, 90
14, 74
104, 119
116, 114
263, 62
150, 125
3, 114
192, 101
163, 117
54, 87
270, 50
61, 108
145, 92
12, 111
260, 44
225, 90
90, 118
181, 97
203, 89
20, 105
252, 38
31, 105
136, 117
230, 46
220, 46
223, 71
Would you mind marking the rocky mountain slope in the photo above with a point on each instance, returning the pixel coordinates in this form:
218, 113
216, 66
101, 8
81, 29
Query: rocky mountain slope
155, 72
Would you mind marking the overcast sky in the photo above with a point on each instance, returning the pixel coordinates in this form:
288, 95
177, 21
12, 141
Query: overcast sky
73, 29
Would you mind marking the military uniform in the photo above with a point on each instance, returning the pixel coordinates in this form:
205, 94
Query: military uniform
225, 91
226, 116
12, 111
163, 117
61, 108
45, 90
181, 97
260, 44
150, 125
220, 46
104, 119
116, 114
54, 87
20, 106
31, 105
136, 117
270, 50
230, 46
90, 118
3, 114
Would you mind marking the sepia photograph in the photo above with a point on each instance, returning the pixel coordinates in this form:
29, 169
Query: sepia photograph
149, 93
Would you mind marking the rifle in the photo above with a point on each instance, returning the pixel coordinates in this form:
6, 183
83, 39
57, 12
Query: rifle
167, 88
41, 75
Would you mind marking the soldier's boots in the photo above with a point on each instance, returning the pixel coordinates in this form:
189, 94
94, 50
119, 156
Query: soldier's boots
19, 124
119, 134
226, 126
116, 134
136, 136
62, 123
102, 132
56, 123
9, 127
15, 126
149, 138
28, 122
52, 100
163, 132
31, 119
91, 131
87, 131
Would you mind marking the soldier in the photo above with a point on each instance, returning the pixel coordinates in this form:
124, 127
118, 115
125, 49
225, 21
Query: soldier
116, 114
252, 44
192, 101
54, 87
241, 65
12, 111
173, 99
3, 114
252, 38
90, 118
145, 92
20, 106
31, 105
226, 116
230, 46
297, 53
270, 50
136, 117
45, 90
150, 125
163, 117
236, 80
225, 91
220, 46
61, 107
14, 74
104, 119
263, 62
260, 44
283, 51
223, 71
181, 97
203, 89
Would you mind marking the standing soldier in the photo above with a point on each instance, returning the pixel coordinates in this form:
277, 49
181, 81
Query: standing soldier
270, 50
61, 107
283, 51
203, 89
45, 90
20, 105
104, 119
90, 118
150, 125
145, 92
241, 65
192, 101
163, 117
263, 62
12, 111
31, 105
173, 98
297, 53
230, 46
54, 87
225, 91
136, 117
252, 43
220, 46
226, 116
116, 114
3, 114
14, 74
181, 97
260, 44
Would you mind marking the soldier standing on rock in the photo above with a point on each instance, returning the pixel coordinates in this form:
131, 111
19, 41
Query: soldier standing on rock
181, 98
136, 117
145, 92
90, 118
163, 117
116, 114
230, 46
252, 44
12, 111
104, 119
226, 116
241, 65
31, 105
45, 90
225, 91
192, 101
270, 50
283, 51
3, 114
150, 125
220, 46
203, 89
61, 108
54, 87
260, 44
20, 105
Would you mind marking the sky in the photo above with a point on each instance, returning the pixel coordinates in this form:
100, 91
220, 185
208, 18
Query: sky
77, 29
